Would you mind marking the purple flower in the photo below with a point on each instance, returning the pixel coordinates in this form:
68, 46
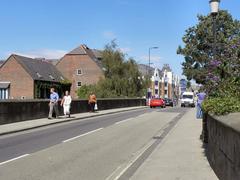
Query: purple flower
215, 78
234, 46
215, 63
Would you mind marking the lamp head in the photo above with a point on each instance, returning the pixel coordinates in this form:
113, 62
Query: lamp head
214, 5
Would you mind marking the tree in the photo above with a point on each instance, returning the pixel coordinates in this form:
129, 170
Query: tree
122, 77
198, 50
220, 74
189, 84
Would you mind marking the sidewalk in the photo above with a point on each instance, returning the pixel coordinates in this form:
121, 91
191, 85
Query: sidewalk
31, 124
180, 156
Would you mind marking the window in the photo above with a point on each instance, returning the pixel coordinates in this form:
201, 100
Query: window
51, 77
3, 93
4, 90
79, 84
79, 71
165, 92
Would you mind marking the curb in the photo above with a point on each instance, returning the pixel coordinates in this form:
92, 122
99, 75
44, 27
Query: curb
69, 120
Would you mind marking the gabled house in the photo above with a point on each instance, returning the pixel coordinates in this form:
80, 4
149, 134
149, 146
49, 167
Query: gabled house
26, 78
82, 66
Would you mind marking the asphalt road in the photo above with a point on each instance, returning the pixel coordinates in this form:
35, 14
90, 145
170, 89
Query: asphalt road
97, 148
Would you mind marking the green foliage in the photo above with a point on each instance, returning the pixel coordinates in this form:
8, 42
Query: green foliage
225, 100
220, 74
122, 77
65, 82
221, 105
189, 84
85, 90
198, 50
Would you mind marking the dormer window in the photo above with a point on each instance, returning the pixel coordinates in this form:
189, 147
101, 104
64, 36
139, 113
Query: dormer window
51, 77
39, 75
62, 78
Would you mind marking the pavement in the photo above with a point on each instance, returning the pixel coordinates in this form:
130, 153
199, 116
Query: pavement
36, 123
110, 147
180, 156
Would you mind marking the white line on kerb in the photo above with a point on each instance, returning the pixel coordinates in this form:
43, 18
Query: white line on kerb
71, 139
110, 176
123, 121
10, 160
133, 161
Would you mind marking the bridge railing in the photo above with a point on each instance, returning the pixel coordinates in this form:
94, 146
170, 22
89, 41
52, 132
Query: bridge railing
21, 110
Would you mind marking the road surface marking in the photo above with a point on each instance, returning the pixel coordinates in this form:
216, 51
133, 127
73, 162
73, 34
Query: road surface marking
71, 139
110, 176
119, 122
10, 160
134, 160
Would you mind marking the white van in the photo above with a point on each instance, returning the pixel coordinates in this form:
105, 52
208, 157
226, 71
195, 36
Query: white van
188, 99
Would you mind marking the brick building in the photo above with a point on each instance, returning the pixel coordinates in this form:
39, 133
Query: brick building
26, 78
82, 66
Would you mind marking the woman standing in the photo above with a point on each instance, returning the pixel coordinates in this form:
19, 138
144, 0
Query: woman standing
92, 99
66, 103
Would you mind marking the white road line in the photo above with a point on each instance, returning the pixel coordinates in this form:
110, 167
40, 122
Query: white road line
10, 160
71, 139
123, 121
142, 115
133, 161
110, 176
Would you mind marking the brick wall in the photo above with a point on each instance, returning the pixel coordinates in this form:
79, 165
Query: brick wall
21, 110
223, 147
21, 82
91, 72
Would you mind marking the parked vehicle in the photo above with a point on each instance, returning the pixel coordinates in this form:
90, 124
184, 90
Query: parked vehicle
168, 102
157, 102
188, 99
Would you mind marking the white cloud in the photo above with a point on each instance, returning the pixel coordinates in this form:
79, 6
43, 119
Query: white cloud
152, 58
44, 53
156, 61
109, 35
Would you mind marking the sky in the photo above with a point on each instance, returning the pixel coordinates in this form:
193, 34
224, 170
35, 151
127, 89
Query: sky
51, 28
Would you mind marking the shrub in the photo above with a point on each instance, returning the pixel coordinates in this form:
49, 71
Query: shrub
221, 105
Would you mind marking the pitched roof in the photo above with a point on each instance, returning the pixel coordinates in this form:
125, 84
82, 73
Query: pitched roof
40, 69
144, 69
94, 54
1, 62
97, 53
78, 51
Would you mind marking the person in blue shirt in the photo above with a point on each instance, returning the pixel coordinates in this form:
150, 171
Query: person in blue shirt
53, 103
201, 96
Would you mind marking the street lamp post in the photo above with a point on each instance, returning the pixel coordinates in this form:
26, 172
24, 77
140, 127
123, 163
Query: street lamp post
214, 4
149, 58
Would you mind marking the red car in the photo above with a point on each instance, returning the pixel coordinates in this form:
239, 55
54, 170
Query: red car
157, 102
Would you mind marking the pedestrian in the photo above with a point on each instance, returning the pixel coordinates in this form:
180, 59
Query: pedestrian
66, 103
53, 104
92, 99
200, 98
